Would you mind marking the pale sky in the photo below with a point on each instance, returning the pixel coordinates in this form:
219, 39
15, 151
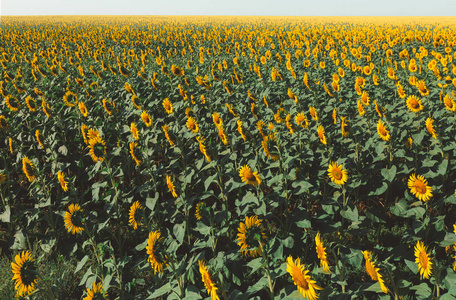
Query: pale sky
231, 7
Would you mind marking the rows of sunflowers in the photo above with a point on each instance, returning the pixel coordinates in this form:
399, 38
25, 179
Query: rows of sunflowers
228, 157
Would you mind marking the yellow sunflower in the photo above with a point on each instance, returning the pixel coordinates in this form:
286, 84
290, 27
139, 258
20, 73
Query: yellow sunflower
97, 149
321, 134
321, 252
38, 138
337, 173
74, 219
373, 271
423, 260
31, 103
2, 178
12, 103
155, 251
28, 168
449, 102
96, 292
171, 186
165, 129
108, 106
251, 235
134, 131
63, 183
382, 131
146, 118
306, 285
241, 130
70, 99
134, 214
168, 106
203, 148
418, 186
361, 110
134, 155
248, 176
430, 127
3, 122
421, 85
313, 113
83, 109
24, 274
207, 280
192, 125
414, 104
177, 71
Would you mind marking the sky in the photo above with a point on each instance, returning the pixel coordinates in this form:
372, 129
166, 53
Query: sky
231, 7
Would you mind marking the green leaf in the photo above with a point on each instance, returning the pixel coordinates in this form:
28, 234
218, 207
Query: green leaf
161, 291
389, 174
400, 208
179, 232
450, 239
411, 265
423, 291
151, 202
81, 263
255, 264
6, 215
192, 293
375, 287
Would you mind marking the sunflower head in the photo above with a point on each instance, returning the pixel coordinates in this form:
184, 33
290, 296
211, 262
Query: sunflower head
251, 236
156, 251
96, 292
25, 273
382, 131
168, 106
63, 182
423, 260
135, 214
337, 173
3, 122
419, 187
192, 125
321, 252
146, 118
74, 219
248, 176
307, 287
28, 168
414, 104
430, 127
97, 149
207, 280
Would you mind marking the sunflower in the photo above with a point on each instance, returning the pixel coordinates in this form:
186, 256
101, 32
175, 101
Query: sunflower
414, 104
241, 130
321, 134
177, 71
192, 125
134, 155
69, 98
134, 214
203, 148
418, 186
28, 168
382, 131
373, 271
24, 274
313, 113
248, 176
171, 186
200, 207
108, 106
155, 250
208, 283
306, 285
423, 260
134, 131
301, 120
421, 85
83, 109
133, 100
343, 126
63, 183
97, 149
322, 253
365, 99
74, 219
165, 129
31, 103
12, 103
337, 173
146, 118
10, 143
430, 127
96, 292
38, 139
3, 122
449, 102
168, 106
361, 110
251, 236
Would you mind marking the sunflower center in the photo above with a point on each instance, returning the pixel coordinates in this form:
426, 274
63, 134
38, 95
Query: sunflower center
300, 280
420, 187
414, 104
423, 260
28, 274
249, 176
337, 174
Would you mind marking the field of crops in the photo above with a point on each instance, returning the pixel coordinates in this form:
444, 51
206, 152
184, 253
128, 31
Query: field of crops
227, 158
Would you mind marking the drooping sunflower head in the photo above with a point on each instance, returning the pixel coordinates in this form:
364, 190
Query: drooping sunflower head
134, 131
171, 187
306, 285
12, 103
414, 104
207, 280
321, 252
423, 260
135, 214
156, 251
83, 109
3, 122
430, 127
418, 186
62, 181
251, 236
25, 273
135, 155
28, 168
74, 219
450, 103
321, 134
248, 176
108, 106
313, 113
337, 173
2, 178
200, 210
31, 103
217, 120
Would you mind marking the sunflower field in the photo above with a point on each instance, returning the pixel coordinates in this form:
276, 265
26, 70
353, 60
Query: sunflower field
154, 157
